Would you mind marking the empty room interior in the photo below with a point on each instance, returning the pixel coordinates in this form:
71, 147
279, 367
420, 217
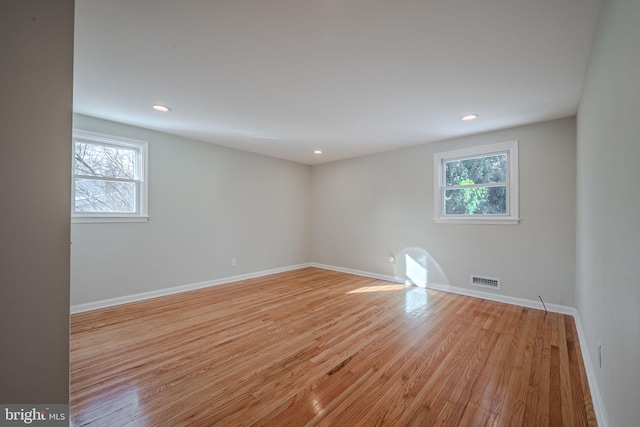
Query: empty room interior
321, 213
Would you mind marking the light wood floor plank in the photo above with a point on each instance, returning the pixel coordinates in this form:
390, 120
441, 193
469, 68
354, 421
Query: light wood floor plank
313, 347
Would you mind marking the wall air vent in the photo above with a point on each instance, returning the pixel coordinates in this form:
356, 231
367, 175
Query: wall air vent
487, 282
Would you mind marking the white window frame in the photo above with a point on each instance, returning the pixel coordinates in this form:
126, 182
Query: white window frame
142, 183
511, 217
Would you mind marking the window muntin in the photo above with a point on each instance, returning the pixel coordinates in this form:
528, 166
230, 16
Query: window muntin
109, 178
477, 185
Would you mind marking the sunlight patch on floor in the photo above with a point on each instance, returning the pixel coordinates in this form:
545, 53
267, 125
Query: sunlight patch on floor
381, 288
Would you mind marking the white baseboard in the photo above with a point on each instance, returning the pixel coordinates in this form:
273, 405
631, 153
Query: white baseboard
522, 302
555, 308
596, 398
79, 308
357, 272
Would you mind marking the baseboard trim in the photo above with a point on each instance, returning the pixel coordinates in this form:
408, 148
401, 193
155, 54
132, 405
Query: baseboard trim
357, 272
596, 398
79, 308
555, 308
522, 302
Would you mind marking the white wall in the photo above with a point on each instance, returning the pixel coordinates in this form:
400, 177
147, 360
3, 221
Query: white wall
608, 245
365, 209
207, 204
36, 80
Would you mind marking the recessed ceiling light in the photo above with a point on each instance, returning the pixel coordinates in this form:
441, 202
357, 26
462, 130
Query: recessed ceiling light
161, 108
317, 152
469, 117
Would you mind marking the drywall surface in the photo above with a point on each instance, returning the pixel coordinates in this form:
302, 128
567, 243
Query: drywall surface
368, 208
36, 81
608, 234
207, 205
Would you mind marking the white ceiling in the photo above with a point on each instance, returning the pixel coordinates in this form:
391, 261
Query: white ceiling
349, 77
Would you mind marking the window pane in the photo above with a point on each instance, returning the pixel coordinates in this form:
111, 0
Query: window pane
476, 201
480, 170
104, 161
105, 196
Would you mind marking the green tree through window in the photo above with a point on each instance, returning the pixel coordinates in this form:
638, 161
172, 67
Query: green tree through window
477, 185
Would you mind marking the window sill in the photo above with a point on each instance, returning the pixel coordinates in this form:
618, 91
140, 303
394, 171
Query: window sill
487, 221
106, 219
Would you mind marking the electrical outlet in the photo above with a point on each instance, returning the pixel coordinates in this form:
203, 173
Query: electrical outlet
600, 355
234, 262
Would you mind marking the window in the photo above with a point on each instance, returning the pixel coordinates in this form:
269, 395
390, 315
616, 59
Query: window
477, 185
109, 178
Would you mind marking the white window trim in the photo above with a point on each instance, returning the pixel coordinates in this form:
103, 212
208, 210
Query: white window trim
143, 147
512, 218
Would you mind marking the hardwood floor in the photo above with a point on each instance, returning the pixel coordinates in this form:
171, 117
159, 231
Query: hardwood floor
316, 347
